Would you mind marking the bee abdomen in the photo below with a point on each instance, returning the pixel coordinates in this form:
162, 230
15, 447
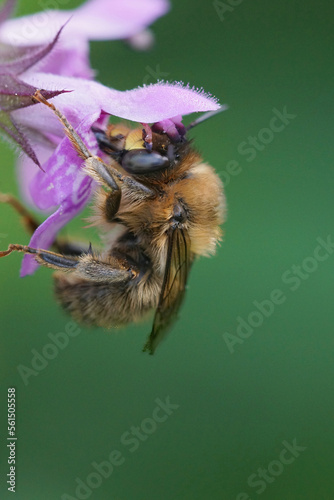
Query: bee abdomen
103, 304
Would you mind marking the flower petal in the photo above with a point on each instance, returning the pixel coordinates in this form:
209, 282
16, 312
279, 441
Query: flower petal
62, 169
95, 20
36, 29
161, 101
112, 19
85, 101
69, 58
26, 169
148, 104
46, 233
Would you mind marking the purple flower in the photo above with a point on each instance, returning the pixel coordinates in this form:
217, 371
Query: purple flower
61, 183
57, 42
94, 20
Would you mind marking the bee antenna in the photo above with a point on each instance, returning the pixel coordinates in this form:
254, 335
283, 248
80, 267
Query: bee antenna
206, 116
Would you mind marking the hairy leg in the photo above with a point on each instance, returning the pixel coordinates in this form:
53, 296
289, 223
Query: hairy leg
86, 266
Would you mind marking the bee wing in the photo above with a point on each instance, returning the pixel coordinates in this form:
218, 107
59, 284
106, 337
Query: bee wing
173, 287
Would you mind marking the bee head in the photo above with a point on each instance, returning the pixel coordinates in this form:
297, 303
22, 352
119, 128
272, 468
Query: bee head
155, 152
148, 150
139, 151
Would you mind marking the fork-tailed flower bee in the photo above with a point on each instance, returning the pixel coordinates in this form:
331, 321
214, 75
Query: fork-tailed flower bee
159, 205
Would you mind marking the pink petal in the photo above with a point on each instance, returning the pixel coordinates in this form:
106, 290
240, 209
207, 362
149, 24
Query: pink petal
148, 104
113, 19
69, 58
84, 100
27, 170
36, 29
95, 20
62, 169
160, 101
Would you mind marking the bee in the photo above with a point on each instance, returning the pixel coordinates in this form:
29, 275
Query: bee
159, 205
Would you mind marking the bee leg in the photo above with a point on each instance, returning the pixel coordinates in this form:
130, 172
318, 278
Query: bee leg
86, 266
30, 223
104, 174
99, 171
110, 145
111, 178
44, 257
114, 270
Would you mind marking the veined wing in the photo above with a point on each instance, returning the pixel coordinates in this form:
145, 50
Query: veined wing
173, 287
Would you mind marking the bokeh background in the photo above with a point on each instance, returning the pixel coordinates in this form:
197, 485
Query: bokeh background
236, 410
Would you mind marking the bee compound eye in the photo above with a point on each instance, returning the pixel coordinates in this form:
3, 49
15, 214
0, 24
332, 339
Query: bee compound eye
140, 161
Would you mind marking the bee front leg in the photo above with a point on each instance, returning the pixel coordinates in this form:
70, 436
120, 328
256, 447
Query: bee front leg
108, 176
30, 223
103, 174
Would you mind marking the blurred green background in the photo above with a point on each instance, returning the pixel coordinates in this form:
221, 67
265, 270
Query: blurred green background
236, 410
